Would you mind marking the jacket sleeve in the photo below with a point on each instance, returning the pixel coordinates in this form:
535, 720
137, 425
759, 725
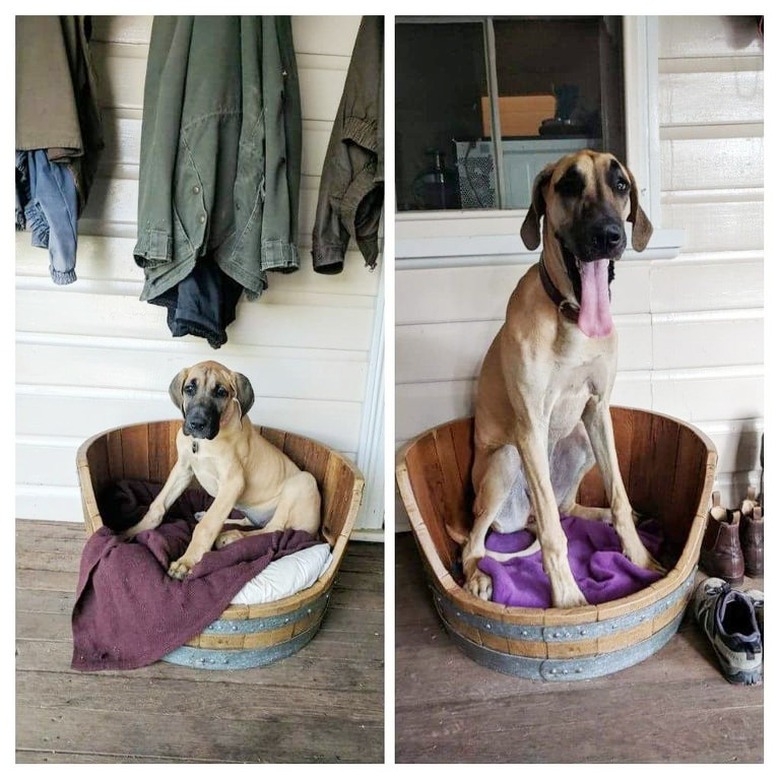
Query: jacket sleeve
283, 146
352, 185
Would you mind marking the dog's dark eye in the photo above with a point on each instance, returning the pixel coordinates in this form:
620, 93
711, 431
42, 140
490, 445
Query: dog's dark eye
571, 184
621, 185
189, 389
220, 391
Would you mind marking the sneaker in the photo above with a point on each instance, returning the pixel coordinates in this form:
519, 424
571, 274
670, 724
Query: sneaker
728, 618
757, 597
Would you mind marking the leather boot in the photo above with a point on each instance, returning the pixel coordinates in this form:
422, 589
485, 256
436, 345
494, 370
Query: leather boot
751, 535
721, 551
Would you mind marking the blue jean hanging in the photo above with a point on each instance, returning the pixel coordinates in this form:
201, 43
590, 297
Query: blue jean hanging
47, 203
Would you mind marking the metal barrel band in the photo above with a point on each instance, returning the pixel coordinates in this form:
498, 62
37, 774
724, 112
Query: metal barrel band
583, 631
226, 660
253, 625
566, 670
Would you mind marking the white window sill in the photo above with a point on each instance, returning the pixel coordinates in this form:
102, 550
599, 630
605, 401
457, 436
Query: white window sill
456, 238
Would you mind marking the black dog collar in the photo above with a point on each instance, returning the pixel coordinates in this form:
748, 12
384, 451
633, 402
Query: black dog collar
569, 311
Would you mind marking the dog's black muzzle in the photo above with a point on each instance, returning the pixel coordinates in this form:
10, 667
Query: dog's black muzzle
201, 422
596, 239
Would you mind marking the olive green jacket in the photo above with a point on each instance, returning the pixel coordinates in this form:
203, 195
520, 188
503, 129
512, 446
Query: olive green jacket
220, 150
351, 195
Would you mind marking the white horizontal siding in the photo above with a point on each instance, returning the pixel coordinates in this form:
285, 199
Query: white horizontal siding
77, 412
124, 364
692, 37
327, 327
712, 163
711, 97
106, 263
91, 356
690, 326
711, 111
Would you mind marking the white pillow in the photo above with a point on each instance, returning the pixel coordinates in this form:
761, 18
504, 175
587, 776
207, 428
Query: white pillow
286, 576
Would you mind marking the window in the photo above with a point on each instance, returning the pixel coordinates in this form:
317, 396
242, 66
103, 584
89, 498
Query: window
548, 85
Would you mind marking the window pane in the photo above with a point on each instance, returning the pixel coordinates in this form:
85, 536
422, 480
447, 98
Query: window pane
560, 89
440, 76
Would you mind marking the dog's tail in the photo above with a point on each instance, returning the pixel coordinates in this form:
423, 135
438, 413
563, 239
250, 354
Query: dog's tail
458, 533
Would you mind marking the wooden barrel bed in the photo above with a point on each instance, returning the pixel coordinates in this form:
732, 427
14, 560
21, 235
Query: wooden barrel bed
245, 635
668, 468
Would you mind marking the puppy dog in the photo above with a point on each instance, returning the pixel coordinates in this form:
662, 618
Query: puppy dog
219, 446
542, 409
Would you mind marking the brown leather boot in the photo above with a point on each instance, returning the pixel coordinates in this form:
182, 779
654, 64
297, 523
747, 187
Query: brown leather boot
721, 552
751, 535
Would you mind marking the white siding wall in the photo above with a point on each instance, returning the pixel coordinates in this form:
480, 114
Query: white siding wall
91, 356
690, 326
709, 302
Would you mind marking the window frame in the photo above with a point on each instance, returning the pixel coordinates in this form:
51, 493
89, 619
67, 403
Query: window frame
426, 239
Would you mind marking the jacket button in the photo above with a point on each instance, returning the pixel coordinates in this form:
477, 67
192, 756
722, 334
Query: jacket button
202, 218
196, 189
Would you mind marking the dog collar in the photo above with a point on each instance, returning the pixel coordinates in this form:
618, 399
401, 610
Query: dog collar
568, 310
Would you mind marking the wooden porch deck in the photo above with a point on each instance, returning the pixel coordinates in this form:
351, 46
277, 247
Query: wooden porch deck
674, 707
325, 704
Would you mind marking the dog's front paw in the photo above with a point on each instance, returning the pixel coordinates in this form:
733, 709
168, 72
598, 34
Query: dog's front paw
570, 599
480, 585
653, 565
226, 538
178, 570
642, 558
150, 520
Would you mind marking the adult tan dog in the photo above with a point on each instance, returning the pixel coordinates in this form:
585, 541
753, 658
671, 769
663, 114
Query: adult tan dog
542, 408
220, 447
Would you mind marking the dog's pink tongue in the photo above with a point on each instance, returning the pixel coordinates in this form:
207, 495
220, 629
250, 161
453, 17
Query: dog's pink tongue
595, 319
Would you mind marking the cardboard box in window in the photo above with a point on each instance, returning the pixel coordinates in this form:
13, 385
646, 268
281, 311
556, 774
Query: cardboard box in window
520, 114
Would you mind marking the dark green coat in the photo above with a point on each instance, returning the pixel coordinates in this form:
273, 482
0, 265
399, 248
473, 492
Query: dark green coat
220, 150
351, 195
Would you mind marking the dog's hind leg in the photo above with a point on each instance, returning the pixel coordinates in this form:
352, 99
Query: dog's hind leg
298, 509
501, 501
572, 458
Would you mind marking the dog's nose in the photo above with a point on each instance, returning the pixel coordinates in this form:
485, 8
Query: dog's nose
613, 235
606, 238
197, 425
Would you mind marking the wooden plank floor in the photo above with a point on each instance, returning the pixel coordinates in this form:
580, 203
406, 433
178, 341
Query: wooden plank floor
674, 707
324, 704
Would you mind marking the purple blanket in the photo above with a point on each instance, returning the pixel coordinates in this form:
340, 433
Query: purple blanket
128, 611
599, 567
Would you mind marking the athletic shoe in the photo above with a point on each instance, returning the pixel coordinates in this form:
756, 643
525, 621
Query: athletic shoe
728, 618
757, 597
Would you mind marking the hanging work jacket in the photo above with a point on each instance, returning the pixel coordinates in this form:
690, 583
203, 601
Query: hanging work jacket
351, 192
220, 165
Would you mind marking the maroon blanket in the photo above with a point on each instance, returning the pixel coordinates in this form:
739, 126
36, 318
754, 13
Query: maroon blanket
128, 611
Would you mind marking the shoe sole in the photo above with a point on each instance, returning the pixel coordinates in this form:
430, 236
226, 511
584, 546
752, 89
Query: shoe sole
753, 677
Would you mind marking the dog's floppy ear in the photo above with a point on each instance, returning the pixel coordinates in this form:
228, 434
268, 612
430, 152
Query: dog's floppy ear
244, 393
530, 232
642, 230
176, 387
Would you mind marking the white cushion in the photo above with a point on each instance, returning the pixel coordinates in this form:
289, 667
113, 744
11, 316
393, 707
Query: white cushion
287, 576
